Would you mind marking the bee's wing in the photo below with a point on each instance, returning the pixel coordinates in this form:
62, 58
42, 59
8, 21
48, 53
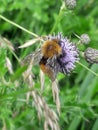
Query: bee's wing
53, 65
35, 57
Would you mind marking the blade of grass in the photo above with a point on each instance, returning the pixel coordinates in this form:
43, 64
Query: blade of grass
95, 126
18, 73
74, 124
87, 81
88, 94
90, 90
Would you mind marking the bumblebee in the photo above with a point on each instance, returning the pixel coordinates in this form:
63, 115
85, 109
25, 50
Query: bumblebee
46, 57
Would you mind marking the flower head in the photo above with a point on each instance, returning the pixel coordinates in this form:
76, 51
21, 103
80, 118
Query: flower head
69, 56
64, 61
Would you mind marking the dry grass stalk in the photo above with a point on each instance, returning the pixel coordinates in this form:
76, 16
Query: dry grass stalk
42, 80
5, 42
51, 119
31, 84
28, 72
55, 91
28, 77
9, 65
29, 43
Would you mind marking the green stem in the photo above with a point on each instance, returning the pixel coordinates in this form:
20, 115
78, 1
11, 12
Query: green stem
56, 23
9, 21
88, 69
15, 56
58, 18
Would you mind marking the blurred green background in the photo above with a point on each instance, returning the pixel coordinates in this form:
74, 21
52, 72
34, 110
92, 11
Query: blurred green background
78, 92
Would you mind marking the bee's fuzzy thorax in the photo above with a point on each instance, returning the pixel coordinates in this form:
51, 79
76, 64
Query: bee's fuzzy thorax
51, 48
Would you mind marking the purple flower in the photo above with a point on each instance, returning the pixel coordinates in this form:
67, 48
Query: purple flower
65, 62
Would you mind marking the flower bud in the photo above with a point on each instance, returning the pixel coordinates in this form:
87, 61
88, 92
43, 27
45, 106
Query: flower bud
91, 55
70, 4
84, 38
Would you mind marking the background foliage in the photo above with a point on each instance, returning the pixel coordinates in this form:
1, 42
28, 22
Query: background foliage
78, 92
